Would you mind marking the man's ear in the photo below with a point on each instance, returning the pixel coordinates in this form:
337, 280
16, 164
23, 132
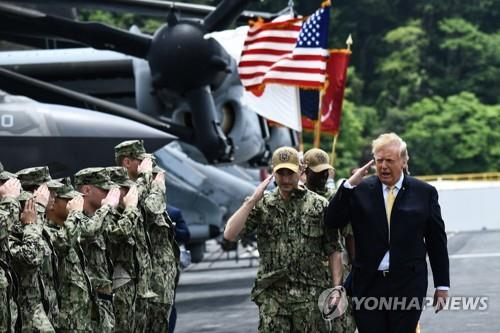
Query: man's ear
86, 189
126, 162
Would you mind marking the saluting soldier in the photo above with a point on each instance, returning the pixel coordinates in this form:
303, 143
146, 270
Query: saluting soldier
27, 248
317, 171
31, 179
292, 243
121, 243
160, 257
101, 196
65, 218
165, 254
10, 188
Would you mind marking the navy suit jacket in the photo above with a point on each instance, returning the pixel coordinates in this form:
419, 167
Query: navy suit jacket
182, 234
416, 230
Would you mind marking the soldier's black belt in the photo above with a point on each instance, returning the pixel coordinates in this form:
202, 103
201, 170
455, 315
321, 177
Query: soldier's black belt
105, 297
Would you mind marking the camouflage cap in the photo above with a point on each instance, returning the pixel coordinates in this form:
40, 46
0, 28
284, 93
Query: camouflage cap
98, 177
286, 158
119, 176
317, 160
5, 175
37, 176
24, 196
130, 148
157, 170
67, 191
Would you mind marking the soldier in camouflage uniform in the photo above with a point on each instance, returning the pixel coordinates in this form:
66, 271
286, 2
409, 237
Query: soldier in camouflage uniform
65, 218
292, 243
32, 178
101, 196
165, 254
27, 248
317, 171
10, 189
121, 242
132, 156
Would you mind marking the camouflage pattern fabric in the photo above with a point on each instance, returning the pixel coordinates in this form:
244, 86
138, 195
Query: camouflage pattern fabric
27, 257
121, 244
9, 211
165, 258
345, 323
286, 308
94, 247
131, 148
145, 294
124, 302
37, 176
106, 322
75, 293
292, 243
49, 275
161, 312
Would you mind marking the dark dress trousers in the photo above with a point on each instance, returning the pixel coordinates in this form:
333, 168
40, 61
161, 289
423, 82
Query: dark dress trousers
416, 230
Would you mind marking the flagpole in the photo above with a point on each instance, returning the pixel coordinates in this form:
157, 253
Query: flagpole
317, 124
301, 141
334, 146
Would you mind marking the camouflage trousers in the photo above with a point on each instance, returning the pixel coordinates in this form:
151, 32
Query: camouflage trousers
35, 319
141, 314
8, 308
291, 310
106, 321
158, 315
346, 323
125, 308
75, 313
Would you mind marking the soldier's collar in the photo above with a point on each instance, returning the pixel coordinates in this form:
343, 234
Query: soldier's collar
299, 192
319, 191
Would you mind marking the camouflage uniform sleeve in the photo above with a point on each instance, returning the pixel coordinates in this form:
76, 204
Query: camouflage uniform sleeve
332, 239
347, 230
123, 225
143, 185
253, 220
40, 210
154, 202
9, 213
92, 226
28, 252
65, 238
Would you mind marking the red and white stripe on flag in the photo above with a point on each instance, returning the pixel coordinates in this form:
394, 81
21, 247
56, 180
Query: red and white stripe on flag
291, 52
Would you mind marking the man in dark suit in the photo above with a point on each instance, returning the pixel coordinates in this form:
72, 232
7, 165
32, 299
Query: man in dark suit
396, 220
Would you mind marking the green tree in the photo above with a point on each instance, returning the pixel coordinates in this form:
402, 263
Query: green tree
402, 74
471, 60
453, 135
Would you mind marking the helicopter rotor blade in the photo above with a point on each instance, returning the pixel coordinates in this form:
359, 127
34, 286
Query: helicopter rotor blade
96, 35
158, 8
225, 14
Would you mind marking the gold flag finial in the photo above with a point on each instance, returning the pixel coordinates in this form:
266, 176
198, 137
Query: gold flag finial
349, 42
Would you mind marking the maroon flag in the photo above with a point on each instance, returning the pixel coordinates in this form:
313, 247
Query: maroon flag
331, 106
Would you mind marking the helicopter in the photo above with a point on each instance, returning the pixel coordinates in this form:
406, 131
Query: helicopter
177, 89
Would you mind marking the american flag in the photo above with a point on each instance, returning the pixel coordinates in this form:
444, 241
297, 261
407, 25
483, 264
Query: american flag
292, 52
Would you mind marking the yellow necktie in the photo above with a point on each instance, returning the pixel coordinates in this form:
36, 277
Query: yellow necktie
389, 203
